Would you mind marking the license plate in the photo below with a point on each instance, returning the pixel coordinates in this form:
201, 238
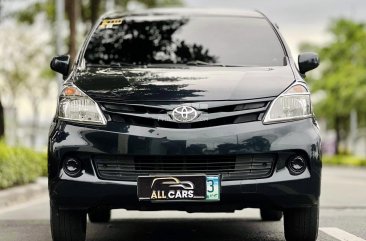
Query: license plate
179, 188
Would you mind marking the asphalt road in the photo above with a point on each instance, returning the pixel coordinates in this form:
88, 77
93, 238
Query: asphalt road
342, 217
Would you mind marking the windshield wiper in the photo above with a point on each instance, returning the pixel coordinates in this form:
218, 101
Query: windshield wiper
190, 63
120, 64
199, 62
203, 63
114, 65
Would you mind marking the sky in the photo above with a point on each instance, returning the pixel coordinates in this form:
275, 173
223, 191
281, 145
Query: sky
299, 21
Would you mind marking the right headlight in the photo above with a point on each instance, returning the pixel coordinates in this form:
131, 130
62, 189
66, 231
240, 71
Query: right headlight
74, 105
293, 104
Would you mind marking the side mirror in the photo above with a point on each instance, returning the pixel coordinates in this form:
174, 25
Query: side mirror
308, 61
61, 64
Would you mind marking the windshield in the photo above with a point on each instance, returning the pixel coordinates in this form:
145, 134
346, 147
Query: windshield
144, 40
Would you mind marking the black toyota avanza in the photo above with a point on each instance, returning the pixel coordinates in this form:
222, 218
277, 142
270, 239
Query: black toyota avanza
192, 110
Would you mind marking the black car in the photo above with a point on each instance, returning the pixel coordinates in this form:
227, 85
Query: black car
192, 110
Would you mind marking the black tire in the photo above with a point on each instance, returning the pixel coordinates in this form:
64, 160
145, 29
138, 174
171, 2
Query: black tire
99, 215
301, 224
270, 214
68, 225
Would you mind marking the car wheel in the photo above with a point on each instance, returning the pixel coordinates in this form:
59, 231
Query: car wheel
301, 224
99, 215
68, 225
270, 215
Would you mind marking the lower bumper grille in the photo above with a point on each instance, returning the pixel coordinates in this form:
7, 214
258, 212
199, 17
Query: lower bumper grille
128, 168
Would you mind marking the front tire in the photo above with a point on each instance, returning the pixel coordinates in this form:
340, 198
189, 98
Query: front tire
68, 225
100, 215
301, 224
270, 214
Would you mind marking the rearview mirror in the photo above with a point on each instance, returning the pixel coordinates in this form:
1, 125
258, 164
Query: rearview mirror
308, 61
61, 64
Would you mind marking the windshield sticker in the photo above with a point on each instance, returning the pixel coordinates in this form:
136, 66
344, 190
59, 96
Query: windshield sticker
110, 23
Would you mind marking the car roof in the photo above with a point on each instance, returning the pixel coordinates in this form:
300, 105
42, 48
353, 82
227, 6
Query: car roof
188, 12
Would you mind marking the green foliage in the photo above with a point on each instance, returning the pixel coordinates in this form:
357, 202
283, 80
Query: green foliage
19, 165
342, 80
28, 15
344, 160
343, 77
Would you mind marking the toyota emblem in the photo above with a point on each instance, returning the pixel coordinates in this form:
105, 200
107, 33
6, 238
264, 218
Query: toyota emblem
184, 114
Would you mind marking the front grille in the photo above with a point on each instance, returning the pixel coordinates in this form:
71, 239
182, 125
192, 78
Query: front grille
128, 168
156, 114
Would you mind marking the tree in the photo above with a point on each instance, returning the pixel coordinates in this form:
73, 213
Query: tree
87, 11
25, 69
343, 76
12, 74
73, 12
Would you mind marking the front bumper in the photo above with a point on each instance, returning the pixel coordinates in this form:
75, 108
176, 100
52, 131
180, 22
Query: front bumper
281, 190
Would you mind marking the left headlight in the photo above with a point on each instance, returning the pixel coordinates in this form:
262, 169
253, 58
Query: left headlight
75, 105
293, 104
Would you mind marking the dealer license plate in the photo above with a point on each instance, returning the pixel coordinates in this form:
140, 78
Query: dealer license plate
179, 188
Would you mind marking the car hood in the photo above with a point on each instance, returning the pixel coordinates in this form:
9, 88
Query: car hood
187, 84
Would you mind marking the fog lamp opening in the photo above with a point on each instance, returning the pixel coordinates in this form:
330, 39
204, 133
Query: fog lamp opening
72, 167
296, 165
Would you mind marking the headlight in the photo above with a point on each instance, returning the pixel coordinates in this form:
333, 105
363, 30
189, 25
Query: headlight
293, 104
76, 106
